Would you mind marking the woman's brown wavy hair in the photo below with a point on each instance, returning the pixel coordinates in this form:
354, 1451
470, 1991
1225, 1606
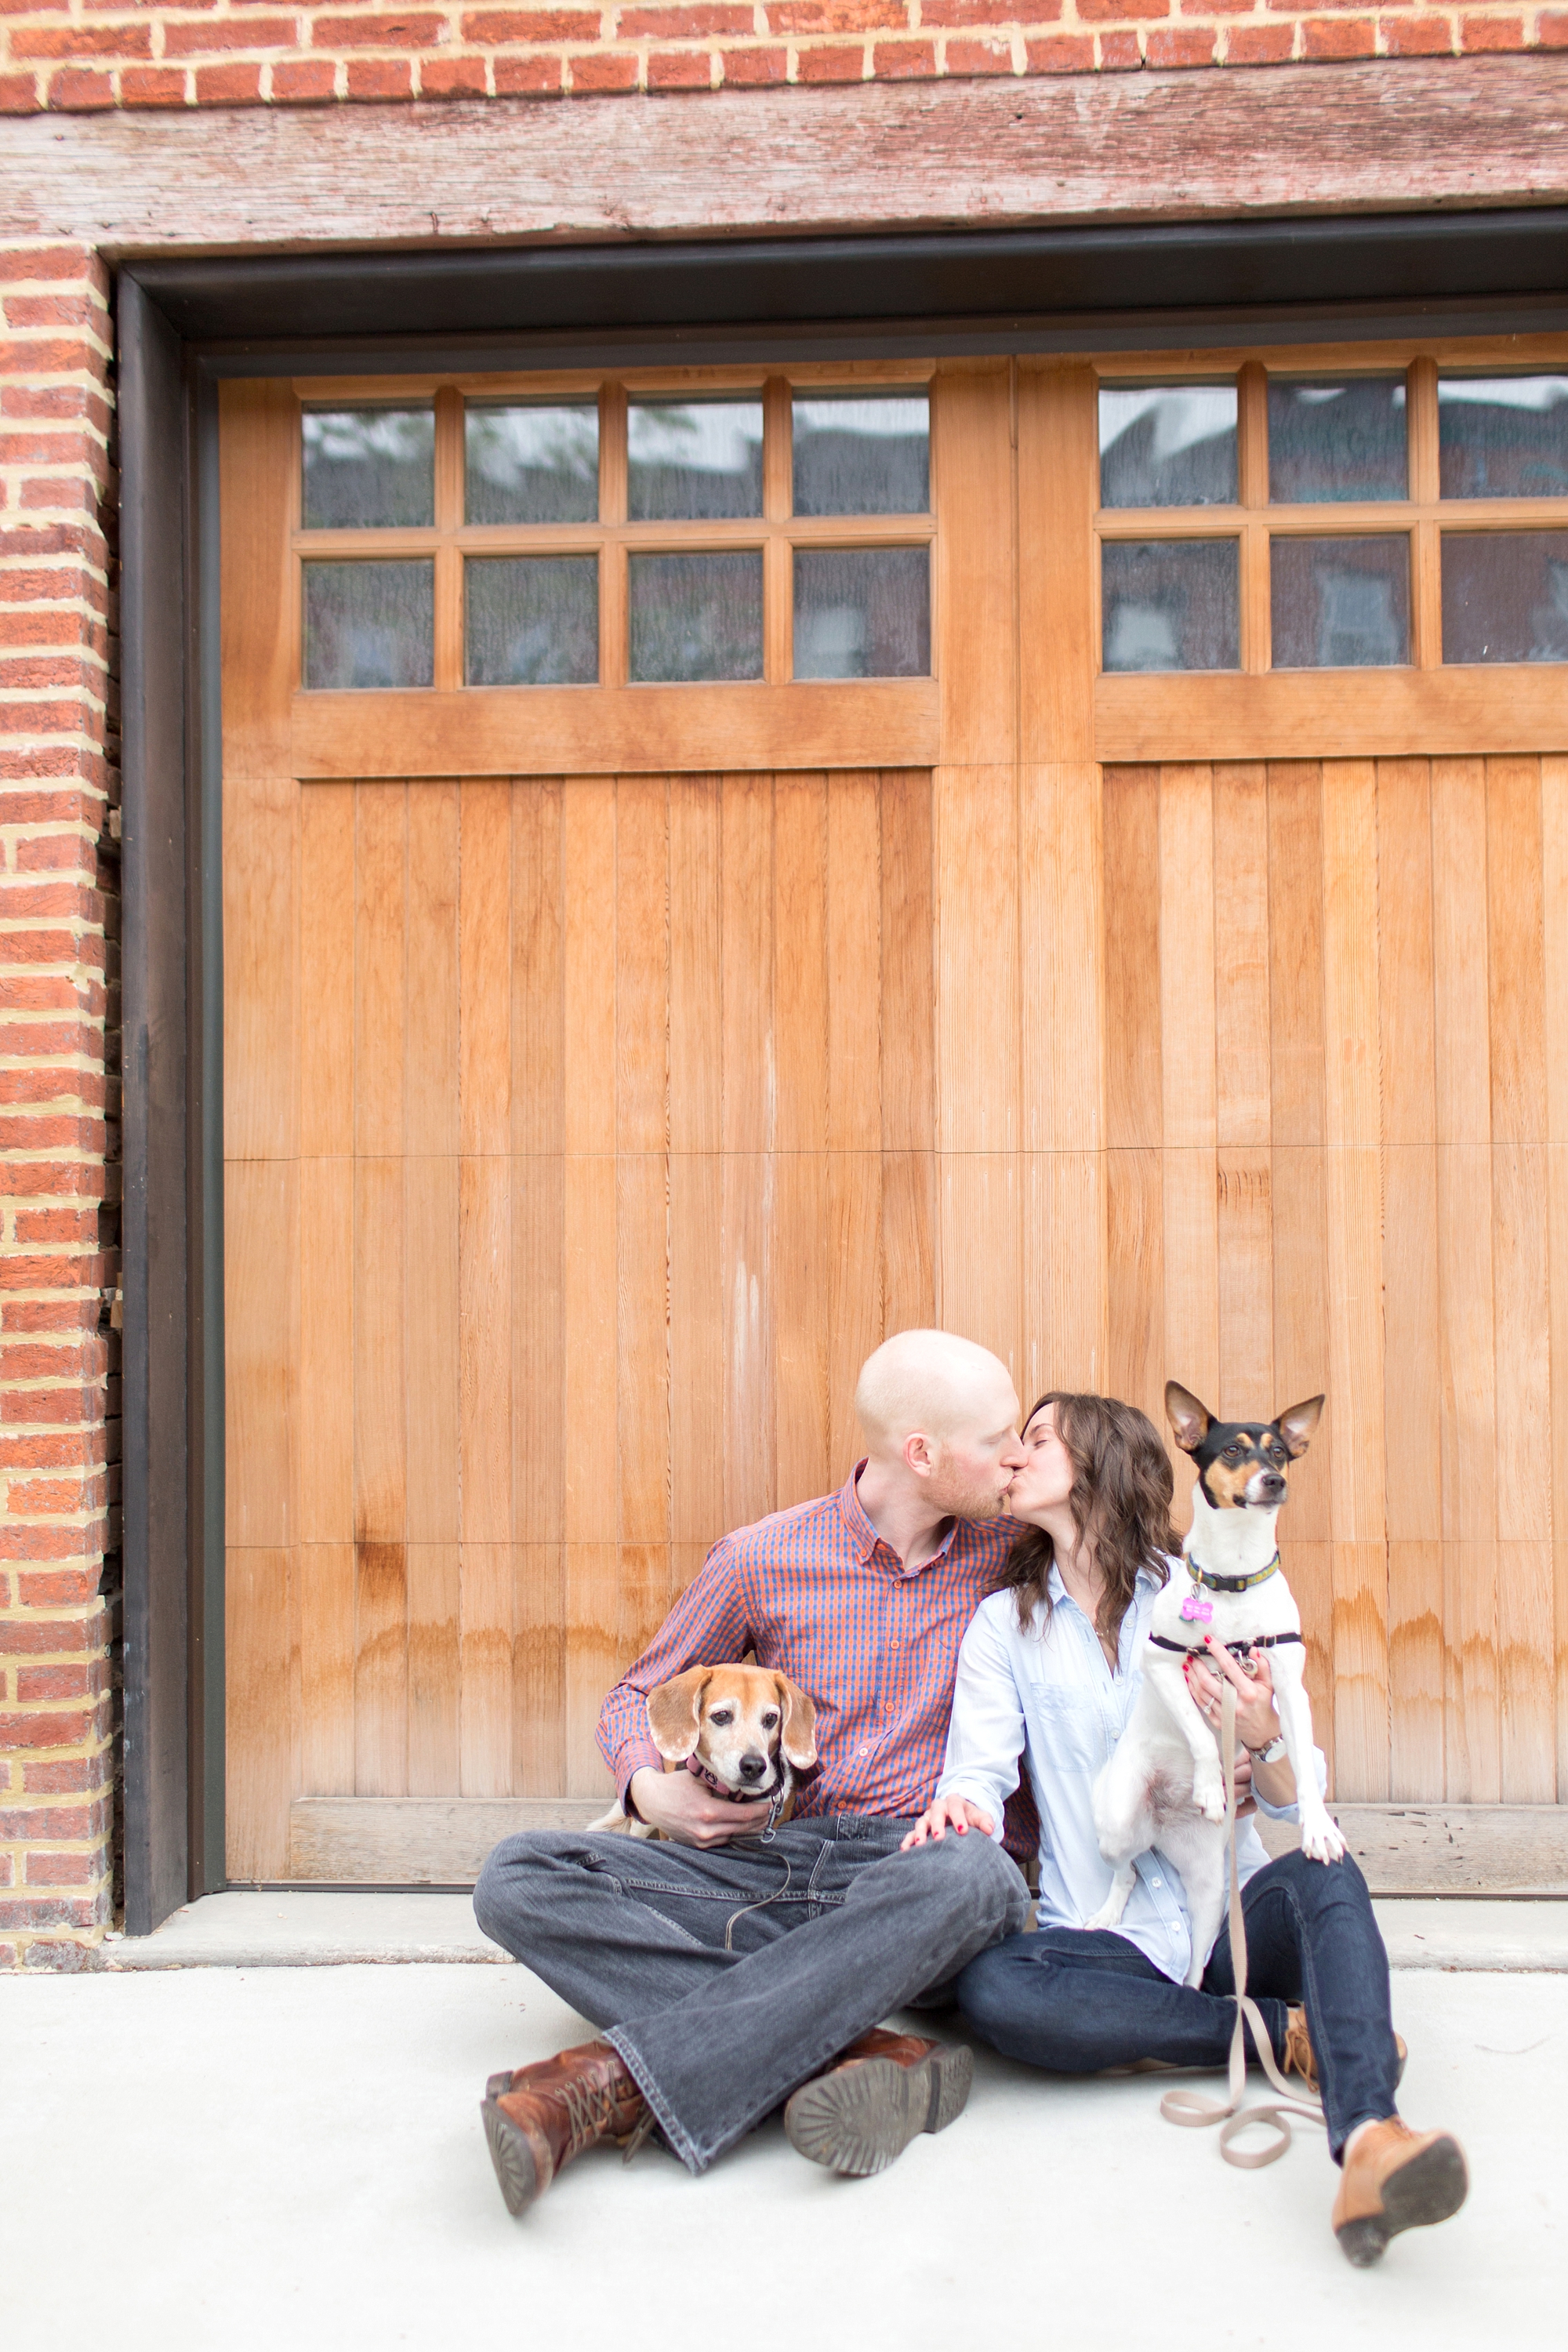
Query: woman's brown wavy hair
1120, 1499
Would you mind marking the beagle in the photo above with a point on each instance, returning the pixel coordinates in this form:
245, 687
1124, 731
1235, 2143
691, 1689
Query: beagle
744, 1731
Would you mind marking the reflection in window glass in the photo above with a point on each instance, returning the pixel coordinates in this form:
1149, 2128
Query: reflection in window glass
531, 620
1337, 440
1168, 446
862, 611
370, 624
1502, 437
688, 460
1505, 596
1340, 604
369, 468
696, 616
1171, 603
537, 464
854, 456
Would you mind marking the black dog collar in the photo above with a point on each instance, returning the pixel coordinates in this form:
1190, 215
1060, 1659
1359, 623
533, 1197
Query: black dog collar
1231, 1583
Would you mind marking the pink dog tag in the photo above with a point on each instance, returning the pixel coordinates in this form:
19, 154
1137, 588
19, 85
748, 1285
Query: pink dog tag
1197, 1612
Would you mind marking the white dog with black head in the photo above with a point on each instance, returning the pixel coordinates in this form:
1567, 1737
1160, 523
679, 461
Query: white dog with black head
1164, 1786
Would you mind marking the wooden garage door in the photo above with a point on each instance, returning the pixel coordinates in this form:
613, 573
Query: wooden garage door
608, 1068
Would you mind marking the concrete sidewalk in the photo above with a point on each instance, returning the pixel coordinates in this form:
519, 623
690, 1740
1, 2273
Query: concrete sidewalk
293, 2155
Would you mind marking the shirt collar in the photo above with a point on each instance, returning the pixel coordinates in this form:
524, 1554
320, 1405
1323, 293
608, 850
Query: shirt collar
1145, 1585
864, 1536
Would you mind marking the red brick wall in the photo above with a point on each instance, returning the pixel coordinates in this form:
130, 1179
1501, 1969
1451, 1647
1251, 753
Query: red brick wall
64, 54
58, 889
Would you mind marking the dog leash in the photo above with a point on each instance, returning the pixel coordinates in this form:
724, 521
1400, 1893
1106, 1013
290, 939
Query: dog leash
1190, 2108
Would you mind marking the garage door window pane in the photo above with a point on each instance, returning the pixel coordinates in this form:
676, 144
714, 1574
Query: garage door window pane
369, 468
690, 461
531, 620
1505, 596
853, 456
696, 616
1168, 446
531, 464
1171, 603
1337, 440
1340, 604
370, 625
1503, 437
862, 611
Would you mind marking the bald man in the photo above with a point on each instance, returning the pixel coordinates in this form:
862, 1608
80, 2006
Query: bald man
733, 1968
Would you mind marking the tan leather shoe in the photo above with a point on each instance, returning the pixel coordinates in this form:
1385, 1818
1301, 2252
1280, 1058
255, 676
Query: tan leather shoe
882, 2091
1299, 2058
1395, 2178
538, 2118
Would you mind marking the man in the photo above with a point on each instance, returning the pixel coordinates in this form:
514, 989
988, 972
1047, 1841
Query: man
730, 1970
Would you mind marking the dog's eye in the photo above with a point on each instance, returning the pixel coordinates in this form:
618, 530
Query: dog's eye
770, 1722
722, 1716
1232, 1454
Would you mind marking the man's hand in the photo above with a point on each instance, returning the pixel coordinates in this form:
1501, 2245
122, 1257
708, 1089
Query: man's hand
678, 1804
944, 1813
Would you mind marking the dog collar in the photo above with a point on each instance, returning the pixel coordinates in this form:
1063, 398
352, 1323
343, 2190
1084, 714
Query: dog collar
717, 1787
1231, 1583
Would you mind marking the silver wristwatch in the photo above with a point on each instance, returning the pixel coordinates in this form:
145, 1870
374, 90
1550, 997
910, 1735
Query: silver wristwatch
1272, 1753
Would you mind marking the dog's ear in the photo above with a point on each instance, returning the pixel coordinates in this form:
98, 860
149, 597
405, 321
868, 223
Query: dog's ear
675, 1714
797, 1735
1189, 1420
1299, 1426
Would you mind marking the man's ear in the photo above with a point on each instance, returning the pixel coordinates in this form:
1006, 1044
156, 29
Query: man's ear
1299, 1424
797, 1735
920, 1454
1189, 1420
675, 1714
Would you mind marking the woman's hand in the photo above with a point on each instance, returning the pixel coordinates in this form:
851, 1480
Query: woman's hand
1257, 1721
944, 1813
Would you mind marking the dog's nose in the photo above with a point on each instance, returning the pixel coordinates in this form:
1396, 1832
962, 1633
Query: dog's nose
1272, 1487
752, 1767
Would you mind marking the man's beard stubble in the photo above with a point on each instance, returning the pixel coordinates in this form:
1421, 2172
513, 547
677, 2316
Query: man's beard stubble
959, 1496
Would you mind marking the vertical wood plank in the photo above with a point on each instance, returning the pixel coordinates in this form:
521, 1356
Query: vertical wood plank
1516, 938
261, 967
642, 1028
259, 1671
1461, 1033
697, 1355
1187, 1071
485, 1597
747, 1212
433, 1669
1245, 1203
976, 564
1412, 1410
1059, 490
261, 1259
801, 1241
1352, 1122
861, 1037
381, 1669
1555, 919
326, 996
538, 1670
1136, 1362
325, 1595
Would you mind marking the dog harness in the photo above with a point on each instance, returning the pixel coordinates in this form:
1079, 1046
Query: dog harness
1236, 1649
1201, 1611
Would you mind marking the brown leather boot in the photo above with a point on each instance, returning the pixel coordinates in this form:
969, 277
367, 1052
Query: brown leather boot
1299, 2058
538, 2118
1395, 2179
876, 2098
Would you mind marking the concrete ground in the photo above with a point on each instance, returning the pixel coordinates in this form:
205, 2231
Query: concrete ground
248, 2156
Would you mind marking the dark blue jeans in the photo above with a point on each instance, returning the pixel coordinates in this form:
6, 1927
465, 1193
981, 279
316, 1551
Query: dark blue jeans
1077, 2003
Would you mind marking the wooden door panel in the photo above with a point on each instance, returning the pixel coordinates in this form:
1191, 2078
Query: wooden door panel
611, 1159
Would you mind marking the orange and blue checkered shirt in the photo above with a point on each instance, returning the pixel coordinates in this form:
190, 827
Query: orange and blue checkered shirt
817, 1593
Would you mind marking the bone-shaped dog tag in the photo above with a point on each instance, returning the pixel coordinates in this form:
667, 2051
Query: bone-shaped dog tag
1197, 1612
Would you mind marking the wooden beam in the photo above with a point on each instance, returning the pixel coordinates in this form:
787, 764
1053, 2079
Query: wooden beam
1148, 146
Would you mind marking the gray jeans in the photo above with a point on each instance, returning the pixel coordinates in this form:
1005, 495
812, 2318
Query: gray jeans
725, 1977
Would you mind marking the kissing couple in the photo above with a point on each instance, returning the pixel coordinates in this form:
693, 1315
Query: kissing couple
965, 1615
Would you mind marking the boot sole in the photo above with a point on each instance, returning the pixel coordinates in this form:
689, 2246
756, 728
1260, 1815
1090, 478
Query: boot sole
1428, 2188
512, 2155
858, 2122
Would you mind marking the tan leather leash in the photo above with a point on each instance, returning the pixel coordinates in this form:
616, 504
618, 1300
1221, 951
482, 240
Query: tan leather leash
1190, 2108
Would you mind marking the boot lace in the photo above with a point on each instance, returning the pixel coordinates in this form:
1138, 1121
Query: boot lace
591, 2111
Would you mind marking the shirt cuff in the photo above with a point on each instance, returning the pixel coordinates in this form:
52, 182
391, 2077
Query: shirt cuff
631, 1758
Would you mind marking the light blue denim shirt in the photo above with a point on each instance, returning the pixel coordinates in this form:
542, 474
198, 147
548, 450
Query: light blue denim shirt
1047, 1690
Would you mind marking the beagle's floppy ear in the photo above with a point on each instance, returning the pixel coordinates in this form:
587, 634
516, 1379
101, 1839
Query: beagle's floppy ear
1297, 1425
1189, 1420
675, 1714
798, 1734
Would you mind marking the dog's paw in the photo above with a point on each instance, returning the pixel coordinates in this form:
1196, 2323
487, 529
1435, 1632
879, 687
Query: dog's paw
1320, 1841
1208, 1794
1107, 1915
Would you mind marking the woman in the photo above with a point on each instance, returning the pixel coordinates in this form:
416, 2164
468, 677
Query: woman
1049, 1670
